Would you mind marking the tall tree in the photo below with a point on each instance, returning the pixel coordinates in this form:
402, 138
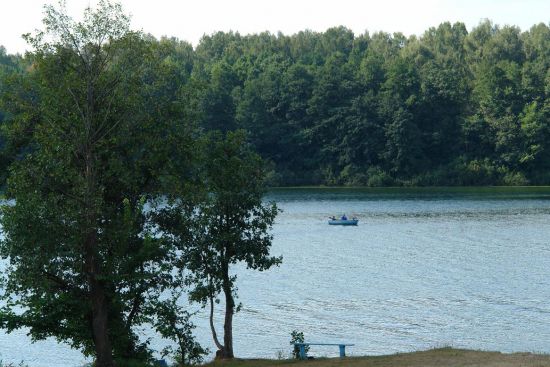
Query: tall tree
84, 263
231, 225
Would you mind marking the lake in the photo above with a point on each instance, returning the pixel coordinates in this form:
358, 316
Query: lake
424, 268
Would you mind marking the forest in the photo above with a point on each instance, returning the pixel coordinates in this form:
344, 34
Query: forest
450, 107
134, 169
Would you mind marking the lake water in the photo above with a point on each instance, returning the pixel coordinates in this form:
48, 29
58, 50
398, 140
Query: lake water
424, 268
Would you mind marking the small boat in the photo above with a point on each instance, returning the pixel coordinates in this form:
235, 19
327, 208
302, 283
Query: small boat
343, 222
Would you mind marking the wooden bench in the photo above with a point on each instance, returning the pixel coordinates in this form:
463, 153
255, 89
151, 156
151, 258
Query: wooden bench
303, 354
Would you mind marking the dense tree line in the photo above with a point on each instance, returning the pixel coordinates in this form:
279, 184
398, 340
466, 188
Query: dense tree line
133, 170
451, 107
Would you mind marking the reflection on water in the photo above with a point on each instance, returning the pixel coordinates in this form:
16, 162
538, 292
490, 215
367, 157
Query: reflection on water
424, 268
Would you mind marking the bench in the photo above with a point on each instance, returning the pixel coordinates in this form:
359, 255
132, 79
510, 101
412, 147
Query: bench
303, 354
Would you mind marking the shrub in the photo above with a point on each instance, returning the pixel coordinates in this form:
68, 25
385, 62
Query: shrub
515, 179
297, 337
377, 177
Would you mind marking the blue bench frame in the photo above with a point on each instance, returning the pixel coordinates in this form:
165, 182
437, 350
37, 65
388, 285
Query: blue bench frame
303, 354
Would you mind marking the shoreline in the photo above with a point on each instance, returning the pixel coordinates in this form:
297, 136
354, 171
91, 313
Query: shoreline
456, 187
439, 357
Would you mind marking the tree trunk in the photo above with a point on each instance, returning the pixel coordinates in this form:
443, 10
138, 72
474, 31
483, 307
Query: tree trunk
100, 311
228, 327
98, 297
212, 327
227, 351
100, 329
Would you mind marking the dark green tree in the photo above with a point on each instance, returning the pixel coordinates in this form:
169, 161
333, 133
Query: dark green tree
321, 107
231, 225
173, 322
84, 262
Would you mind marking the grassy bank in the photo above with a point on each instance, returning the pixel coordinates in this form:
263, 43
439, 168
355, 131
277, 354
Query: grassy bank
444, 357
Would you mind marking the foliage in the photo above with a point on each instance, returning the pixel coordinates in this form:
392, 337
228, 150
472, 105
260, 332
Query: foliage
325, 108
100, 146
235, 224
174, 323
297, 337
231, 224
105, 138
328, 108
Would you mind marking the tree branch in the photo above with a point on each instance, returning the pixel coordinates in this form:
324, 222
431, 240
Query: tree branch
61, 283
212, 327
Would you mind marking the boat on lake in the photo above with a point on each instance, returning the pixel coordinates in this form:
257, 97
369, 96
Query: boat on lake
344, 221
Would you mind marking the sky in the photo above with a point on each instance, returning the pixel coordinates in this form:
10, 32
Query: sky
190, 20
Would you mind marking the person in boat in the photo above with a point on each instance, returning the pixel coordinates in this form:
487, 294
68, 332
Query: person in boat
344, 217
332, 218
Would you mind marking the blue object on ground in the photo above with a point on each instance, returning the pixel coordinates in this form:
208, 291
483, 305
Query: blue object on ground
303, 354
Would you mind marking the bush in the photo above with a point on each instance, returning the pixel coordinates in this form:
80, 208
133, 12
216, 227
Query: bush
297, 337
515, 179
351, 175
378, 178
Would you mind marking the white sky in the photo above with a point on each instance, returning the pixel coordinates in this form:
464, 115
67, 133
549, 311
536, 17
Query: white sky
190, 20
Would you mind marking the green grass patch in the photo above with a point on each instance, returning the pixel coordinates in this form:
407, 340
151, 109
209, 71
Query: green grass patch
441, 357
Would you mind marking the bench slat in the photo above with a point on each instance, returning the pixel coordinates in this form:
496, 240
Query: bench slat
303, 354
298, 344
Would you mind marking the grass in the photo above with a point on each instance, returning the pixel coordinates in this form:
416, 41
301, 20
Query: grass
442, 357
